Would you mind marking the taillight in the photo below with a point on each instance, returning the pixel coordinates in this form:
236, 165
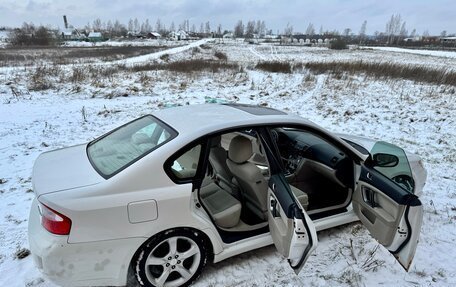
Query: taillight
53, 221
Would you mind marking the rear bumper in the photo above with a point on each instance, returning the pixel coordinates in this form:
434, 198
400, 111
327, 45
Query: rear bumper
80, 264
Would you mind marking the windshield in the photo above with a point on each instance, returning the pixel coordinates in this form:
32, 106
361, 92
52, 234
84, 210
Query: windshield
125, 145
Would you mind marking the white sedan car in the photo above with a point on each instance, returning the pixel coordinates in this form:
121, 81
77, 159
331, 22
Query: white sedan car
161, 196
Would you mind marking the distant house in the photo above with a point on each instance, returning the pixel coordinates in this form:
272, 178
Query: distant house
4, 36
71, 34
95, 37
448, 40
413, 39
228, 36
153, 35
179, 35
430, 39
67, 35
134, 34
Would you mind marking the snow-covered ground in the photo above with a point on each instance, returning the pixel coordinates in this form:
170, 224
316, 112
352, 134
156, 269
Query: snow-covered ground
448, 54
419, 117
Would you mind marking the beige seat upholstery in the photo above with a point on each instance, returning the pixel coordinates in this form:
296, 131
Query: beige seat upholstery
217, 158
222, 206
251, 181
301, 196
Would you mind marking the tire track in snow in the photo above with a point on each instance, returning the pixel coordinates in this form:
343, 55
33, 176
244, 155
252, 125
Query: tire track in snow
128, 61
256, 53
156, 55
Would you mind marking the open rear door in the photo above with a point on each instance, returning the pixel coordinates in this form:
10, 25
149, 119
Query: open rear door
392, 214
292, 230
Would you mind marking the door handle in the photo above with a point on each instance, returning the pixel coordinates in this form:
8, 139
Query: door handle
273, 207
369, 176
369, 197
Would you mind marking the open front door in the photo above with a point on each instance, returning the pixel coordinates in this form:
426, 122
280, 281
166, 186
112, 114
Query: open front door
392, 214
292, 230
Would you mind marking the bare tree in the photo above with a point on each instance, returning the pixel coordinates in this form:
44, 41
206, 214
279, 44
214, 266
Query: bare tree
201, 28
310, 30
28, 35
413, 33
321, 30
239, 29
219, 30
262, 28
119, 29
96, 26
158, 26
403, 32
207, 28
185, 25
109, 29
288, 31
393, 27
130, 25
172, 27
362, 32
443, 33
257, 27
250, 29
426, 33
347, 32
136, 25
147, 27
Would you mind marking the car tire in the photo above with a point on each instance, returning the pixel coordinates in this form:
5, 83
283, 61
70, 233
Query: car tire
173, 258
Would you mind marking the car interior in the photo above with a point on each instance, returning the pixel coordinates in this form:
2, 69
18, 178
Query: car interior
234, 190
318, 168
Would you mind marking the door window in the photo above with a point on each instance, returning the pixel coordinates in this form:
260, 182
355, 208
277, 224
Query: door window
185, 166
392, 162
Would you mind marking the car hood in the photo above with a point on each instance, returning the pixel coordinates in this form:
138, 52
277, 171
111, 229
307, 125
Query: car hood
63, 169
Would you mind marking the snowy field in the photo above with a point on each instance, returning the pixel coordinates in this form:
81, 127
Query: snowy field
417, 116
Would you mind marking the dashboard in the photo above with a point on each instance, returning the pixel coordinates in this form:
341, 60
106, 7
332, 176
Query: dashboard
296, 146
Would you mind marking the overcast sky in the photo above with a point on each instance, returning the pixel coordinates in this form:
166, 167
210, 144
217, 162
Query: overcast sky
431, 15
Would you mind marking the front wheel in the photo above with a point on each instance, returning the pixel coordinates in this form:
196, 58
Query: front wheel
173, 258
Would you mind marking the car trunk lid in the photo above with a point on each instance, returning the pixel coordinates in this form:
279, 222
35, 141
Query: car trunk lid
63, 169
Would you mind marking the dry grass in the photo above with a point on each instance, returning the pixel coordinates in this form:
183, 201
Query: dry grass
188, 66
274, 67
386, 70
68, 55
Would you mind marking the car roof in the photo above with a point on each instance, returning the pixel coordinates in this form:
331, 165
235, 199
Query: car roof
212, 117
194, 121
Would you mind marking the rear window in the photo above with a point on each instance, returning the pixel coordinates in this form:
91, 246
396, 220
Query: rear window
121, 147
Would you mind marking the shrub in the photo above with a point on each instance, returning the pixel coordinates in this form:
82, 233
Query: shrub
29, 35
338, 44
205, 46
221, 56
274, 67
164, 57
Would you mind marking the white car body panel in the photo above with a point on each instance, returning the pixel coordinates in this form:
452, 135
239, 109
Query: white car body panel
102, 230
51, 174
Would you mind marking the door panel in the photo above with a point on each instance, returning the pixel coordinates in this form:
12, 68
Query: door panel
292, 231
392, 215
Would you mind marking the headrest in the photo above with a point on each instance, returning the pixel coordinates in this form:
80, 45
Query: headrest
240, 149
140, 138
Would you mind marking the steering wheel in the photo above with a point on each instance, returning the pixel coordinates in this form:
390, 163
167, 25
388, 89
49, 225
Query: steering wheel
405, 181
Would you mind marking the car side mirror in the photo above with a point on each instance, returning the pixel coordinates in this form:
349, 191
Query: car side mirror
385, 160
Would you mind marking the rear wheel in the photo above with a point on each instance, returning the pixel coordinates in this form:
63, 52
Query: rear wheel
173, 258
